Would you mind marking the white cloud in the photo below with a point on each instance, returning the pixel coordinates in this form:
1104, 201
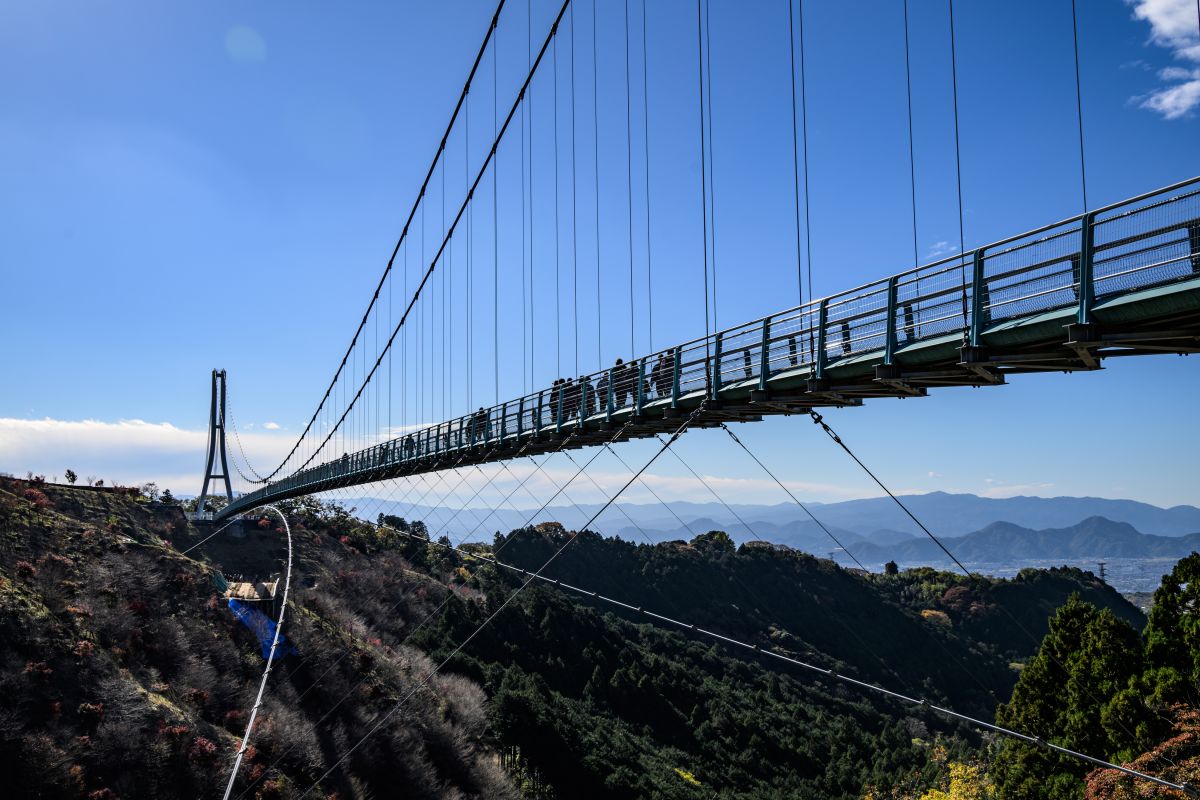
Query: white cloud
1175, 101
129, 452
1173, 26
941, 248
271, 426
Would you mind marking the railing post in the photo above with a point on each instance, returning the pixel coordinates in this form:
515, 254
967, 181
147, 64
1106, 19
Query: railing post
675, 372
1087, 294
558, 408
537, 425
641, 385
585, 391
764, 357
608, 396
503, 420
521, 418
1193, 231
889, 342
978, 296
715, 383
822, 319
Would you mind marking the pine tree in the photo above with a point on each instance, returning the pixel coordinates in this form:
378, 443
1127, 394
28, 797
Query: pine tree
1173, 637
1077, 692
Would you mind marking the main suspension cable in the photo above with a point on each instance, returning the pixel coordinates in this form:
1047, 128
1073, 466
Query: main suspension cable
403, 232
487, 161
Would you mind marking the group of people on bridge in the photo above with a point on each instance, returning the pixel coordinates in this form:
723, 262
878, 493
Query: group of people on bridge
570, 398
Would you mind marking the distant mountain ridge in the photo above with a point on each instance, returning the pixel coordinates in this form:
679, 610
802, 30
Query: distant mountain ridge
1005, 542
875, 520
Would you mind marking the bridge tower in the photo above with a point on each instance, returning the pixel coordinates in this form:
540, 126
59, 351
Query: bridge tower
216, 443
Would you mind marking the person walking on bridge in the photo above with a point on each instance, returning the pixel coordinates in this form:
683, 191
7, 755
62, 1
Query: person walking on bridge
620, 378
661, 375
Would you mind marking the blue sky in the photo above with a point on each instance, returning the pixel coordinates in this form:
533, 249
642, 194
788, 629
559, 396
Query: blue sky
221, 185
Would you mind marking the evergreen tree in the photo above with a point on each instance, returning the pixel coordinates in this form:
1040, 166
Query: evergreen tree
1173, 637
1076, 692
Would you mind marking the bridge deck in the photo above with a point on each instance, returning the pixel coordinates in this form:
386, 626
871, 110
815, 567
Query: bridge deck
1120, 281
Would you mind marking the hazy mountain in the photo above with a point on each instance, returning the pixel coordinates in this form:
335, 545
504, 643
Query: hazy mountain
1095, 537
875, 520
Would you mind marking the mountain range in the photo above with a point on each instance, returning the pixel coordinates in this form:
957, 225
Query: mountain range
875, 529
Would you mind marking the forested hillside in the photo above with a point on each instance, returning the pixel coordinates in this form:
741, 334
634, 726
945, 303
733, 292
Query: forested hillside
124, 675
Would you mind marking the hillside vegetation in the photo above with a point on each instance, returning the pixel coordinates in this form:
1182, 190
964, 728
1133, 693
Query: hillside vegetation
122, 674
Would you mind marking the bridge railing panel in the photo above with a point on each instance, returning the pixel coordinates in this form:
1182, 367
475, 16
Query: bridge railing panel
930, 299
1148, 244
1031, 275
792, 340
856, 323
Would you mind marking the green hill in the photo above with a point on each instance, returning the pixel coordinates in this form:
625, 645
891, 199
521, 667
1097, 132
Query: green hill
123, 674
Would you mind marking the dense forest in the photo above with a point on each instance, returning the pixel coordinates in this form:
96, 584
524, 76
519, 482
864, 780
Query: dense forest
124, 674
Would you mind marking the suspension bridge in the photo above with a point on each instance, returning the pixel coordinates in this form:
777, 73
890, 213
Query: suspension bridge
1113, 281
1120, 281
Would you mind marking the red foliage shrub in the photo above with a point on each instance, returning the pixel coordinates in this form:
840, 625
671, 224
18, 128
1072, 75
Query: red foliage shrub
270, 790
38, 498
264, 523
138, 607
174, 732
84, 649
202, 751
197, 696
25, 569
38, 669
84, 741
102, 794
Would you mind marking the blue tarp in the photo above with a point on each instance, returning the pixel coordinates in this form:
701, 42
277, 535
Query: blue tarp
261, 626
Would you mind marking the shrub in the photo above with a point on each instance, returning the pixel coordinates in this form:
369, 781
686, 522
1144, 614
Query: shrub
38, 669
202, 751
936, 617
91, 713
